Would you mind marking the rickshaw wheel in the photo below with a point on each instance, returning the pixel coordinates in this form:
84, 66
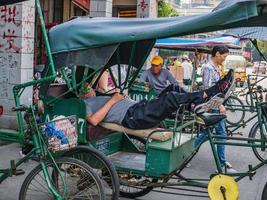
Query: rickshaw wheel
81, 181
264, 192
223, 187
132, 190
230, 106
260, 153
102, 165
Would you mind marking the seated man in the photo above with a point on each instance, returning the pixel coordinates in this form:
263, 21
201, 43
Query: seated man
148, 114
157, 76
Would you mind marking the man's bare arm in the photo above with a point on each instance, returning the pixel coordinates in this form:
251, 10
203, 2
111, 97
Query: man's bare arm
98, 116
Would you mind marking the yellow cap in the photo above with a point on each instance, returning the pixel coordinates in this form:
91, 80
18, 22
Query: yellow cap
176, 63
157, 60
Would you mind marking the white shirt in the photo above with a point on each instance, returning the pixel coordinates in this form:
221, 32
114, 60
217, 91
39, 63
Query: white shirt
188, 70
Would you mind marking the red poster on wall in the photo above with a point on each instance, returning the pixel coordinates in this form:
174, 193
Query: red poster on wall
83, 4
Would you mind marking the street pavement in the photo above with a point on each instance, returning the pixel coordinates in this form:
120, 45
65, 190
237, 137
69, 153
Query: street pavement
201, 167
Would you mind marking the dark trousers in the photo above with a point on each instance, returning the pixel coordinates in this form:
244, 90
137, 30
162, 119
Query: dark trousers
148, 114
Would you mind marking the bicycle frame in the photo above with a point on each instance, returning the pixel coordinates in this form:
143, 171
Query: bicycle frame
39, 150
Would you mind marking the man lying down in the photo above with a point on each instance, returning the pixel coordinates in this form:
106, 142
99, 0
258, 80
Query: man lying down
147, 114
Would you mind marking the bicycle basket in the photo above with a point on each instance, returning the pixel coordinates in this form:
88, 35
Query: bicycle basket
61, 133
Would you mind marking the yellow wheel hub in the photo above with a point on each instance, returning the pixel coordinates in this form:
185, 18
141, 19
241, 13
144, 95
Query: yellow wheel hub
222, 187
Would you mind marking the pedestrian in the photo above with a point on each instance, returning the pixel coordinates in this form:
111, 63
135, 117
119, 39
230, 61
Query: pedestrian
188, 70
211, 75
158, 77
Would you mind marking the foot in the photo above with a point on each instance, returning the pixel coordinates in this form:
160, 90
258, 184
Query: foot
224, 86
228, 168
212, 103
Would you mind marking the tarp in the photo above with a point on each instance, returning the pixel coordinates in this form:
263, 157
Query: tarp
7, 2
259, 33
84, 32
176, 43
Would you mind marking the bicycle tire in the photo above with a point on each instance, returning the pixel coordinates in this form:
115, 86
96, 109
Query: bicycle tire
257, 150
98, 161
248, 100
264, 192
238, 115
74, 167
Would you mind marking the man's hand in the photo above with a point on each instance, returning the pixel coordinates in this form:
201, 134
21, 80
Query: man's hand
117, 97
222, 109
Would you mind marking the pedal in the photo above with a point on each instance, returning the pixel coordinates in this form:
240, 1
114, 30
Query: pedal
18, 172
251, 174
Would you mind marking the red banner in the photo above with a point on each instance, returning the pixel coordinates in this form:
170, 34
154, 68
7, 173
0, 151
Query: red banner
83, 4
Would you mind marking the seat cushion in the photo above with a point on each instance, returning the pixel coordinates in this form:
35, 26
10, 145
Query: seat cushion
160, 135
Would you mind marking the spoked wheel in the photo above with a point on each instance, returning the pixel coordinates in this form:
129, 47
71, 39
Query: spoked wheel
260, 153
80, 180
131, 186
236, 116
102, 166
264, 192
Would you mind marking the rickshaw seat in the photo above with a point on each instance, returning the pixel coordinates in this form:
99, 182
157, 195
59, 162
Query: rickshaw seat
163, 135
209, 119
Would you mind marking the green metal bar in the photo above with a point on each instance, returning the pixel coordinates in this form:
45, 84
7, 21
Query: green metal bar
25, 158
130, 64
48, 181
241, 144
66, 79
236, 138
252, 170
45, 36
242, 124
73, 78
141, 65
214, 152
113, 77
119, 66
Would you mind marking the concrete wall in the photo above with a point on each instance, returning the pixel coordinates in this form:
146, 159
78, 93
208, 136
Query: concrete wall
100, 8
16, 55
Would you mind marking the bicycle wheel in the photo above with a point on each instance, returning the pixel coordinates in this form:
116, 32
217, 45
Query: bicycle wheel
102, 166
248, 100
260, 153
234, 116
81, 181
264, 192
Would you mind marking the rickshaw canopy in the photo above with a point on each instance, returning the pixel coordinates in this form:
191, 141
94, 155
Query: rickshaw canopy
72, 41
84, 32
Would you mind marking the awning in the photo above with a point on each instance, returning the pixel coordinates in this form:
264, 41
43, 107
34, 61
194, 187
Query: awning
178, 43
83, 4
259, 33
